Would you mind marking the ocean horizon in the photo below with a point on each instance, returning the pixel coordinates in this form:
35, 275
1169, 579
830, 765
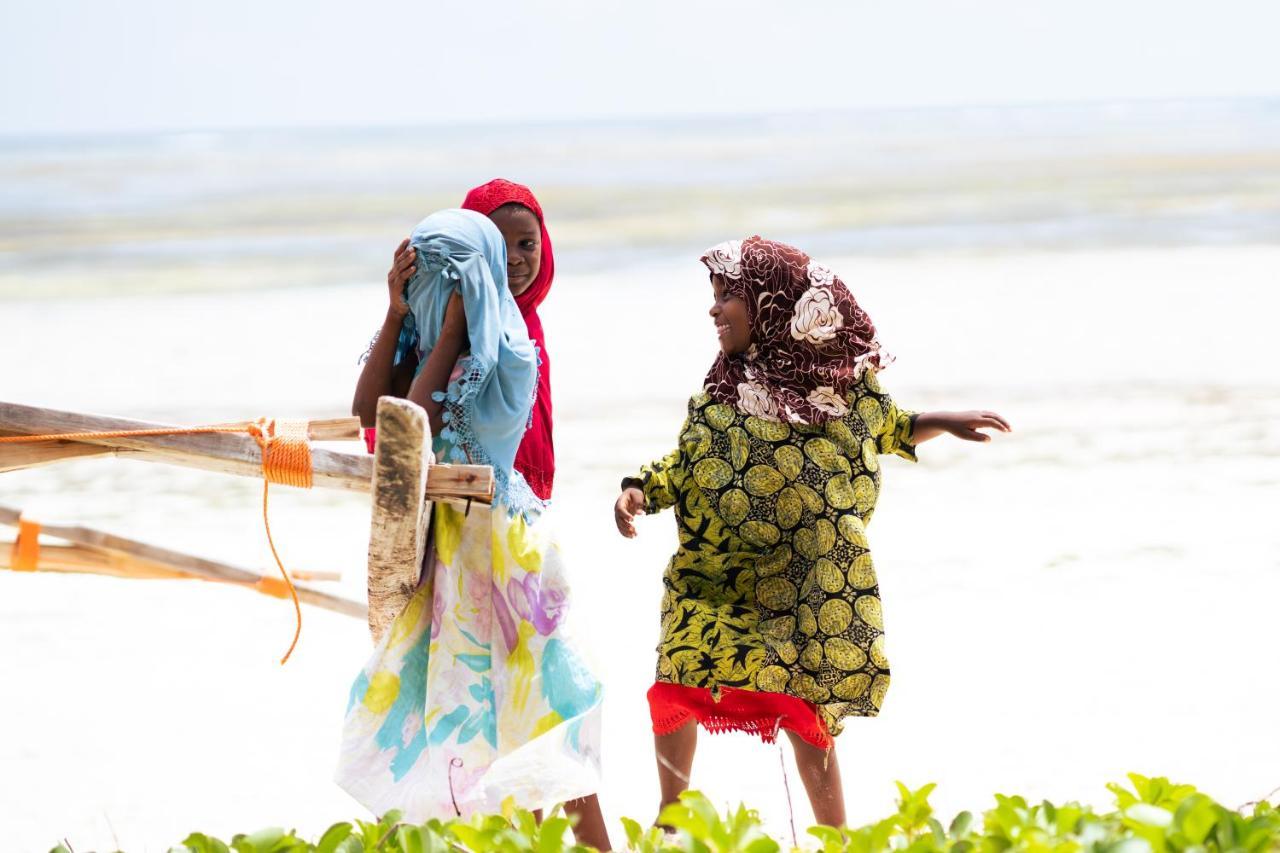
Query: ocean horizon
101, 215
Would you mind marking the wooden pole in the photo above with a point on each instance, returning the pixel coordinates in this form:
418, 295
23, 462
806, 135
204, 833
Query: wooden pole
125, 557
401, 511
14, 457
228, 453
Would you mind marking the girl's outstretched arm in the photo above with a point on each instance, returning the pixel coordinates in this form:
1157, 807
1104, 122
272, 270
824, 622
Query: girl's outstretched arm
960, 424
435, 372
381, 376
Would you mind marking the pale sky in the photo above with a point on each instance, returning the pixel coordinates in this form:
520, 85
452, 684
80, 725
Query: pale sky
83, 66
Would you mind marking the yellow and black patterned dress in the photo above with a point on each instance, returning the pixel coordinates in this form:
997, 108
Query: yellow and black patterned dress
773, 588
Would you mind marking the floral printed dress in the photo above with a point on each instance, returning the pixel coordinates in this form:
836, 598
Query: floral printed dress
772, 588
475, 698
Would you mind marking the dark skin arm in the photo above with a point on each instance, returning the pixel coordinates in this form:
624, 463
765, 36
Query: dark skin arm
928, 425
964, 425
379, 377
440, 362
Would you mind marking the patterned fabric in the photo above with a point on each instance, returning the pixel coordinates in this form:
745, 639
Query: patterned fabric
810, 340
475, 698
486, 407
772, 587
536, 458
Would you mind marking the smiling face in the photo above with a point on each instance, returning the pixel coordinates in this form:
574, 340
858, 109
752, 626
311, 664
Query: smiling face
523, 233
730, 314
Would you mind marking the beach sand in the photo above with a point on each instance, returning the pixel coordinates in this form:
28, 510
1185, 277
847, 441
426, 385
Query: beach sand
1090, 595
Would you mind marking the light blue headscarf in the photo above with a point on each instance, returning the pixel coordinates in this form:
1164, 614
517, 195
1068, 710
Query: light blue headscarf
486, 409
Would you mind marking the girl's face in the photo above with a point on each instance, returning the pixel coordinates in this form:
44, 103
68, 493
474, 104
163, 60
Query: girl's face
730, 314
521, 230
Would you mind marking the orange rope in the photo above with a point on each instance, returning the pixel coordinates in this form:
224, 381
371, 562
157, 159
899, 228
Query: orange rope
286, 459
26, 548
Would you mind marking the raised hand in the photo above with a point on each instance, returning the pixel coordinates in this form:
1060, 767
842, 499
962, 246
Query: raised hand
403, 265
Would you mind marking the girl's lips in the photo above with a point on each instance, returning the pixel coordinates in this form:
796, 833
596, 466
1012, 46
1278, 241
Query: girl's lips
722, 330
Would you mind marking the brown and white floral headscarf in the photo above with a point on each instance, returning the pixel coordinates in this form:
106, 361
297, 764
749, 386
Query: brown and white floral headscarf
810, 342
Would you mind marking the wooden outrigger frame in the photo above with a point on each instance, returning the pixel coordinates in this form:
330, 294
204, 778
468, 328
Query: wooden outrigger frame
401, 476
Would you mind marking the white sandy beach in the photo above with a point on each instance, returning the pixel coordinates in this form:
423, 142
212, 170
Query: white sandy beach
1090, 595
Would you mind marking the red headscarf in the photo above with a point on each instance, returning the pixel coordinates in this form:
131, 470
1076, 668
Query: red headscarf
536, 458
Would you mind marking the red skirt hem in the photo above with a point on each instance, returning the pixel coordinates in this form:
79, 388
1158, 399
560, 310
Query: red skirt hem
753, 712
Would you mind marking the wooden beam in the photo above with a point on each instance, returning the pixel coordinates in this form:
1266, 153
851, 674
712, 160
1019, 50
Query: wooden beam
80, 559
128, 557
325, 429
335, 429
309, 575
401, 512
14, 457
230, 453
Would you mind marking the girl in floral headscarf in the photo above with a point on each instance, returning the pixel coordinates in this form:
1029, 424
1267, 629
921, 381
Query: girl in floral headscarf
771, 617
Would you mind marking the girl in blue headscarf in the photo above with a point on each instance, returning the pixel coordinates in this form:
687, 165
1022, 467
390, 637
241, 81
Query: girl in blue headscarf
475, 698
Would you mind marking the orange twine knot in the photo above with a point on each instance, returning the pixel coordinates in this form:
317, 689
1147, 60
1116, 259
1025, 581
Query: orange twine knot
286, 459
286, 453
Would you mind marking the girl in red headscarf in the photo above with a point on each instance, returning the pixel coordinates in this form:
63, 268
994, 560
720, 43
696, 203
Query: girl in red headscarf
530, 271
531, 268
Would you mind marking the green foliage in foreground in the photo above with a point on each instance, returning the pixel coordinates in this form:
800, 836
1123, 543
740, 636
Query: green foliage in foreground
1153, 816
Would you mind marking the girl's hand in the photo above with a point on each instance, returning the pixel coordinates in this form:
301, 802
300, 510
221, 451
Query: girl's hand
630, 504
403, 265
963, 425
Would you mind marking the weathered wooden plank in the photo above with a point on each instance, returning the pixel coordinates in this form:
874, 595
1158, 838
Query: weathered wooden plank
310, 575
327, 429
14, 457
128, 557
81, 559
334, 429
401, 512
229, 453
460, 483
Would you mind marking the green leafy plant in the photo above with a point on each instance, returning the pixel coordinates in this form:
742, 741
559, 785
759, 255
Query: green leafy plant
1151, 815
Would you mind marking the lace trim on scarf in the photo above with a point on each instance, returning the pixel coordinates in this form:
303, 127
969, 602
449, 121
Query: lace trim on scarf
368, 351
459, 403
